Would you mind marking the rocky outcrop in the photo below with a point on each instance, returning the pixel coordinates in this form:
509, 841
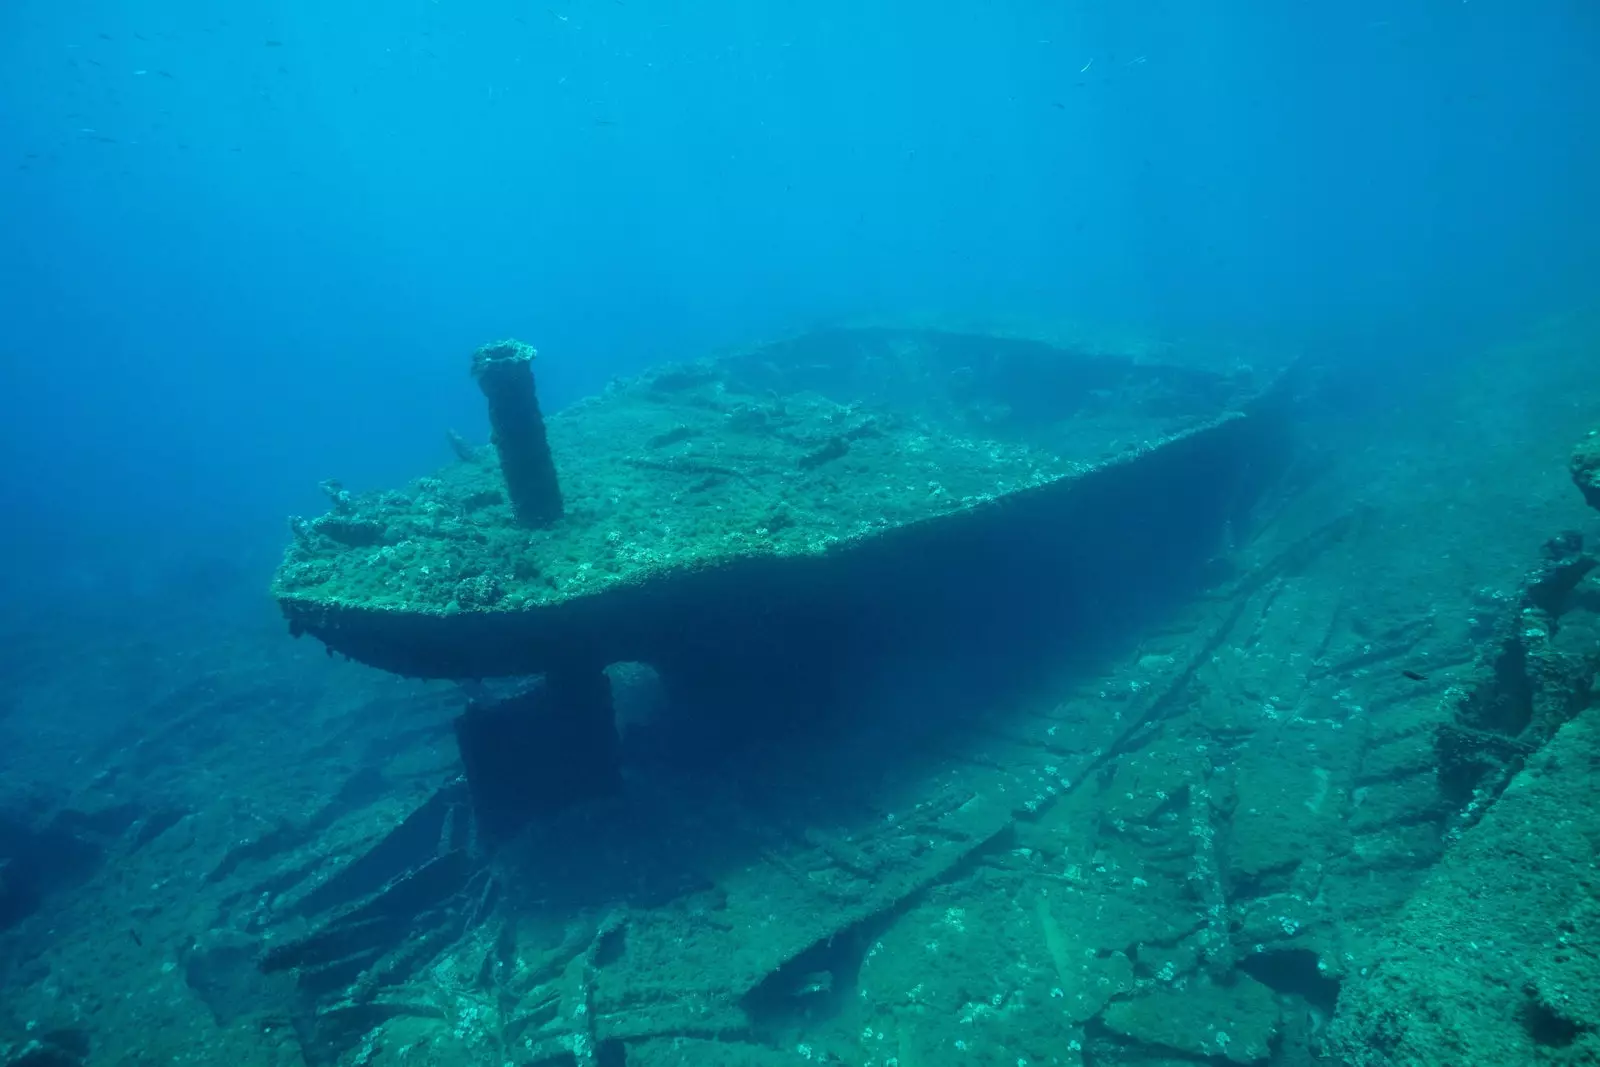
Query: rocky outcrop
1586, 468
1486, 963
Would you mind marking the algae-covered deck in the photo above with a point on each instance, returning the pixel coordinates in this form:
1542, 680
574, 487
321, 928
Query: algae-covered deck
716, 495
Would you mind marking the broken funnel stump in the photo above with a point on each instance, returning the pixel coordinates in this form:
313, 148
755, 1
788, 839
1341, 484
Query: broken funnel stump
504, 371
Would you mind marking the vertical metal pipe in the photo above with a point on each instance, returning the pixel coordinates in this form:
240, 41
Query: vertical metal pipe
504, 371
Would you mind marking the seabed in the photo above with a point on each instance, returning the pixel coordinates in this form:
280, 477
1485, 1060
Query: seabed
876, 696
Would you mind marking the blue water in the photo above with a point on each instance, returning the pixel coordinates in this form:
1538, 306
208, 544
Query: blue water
249, 248
246, 248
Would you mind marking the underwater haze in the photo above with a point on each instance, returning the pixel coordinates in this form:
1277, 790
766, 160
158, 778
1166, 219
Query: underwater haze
247, 249
650, 533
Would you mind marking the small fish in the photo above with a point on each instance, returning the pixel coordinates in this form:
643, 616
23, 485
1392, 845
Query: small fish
814, 983
137, 940
1414, 676
274, 44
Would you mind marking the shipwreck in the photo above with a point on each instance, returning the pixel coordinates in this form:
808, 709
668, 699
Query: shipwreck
768, 527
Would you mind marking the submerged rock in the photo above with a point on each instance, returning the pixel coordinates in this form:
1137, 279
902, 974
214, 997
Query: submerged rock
1586, 468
